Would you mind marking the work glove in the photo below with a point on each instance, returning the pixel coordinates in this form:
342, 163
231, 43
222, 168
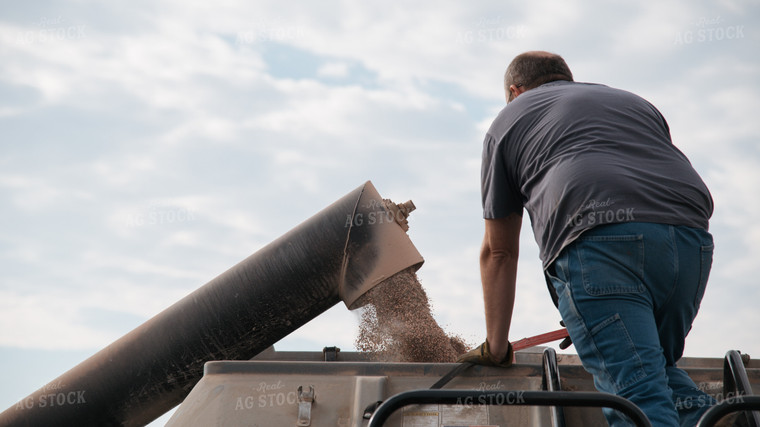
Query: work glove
482, 356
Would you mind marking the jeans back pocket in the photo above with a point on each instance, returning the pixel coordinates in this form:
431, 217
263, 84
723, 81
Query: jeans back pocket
612, 264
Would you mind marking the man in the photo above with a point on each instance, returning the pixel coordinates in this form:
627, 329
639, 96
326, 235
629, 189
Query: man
620, 217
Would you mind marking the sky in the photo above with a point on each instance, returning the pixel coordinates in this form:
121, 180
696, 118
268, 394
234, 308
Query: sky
148, 146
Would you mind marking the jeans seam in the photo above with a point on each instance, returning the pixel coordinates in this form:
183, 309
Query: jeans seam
703, 249
674, 245
585, 331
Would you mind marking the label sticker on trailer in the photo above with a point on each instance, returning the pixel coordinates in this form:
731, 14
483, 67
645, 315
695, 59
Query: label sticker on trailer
434, 415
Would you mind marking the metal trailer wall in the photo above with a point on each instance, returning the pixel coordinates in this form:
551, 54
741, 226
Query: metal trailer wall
269, 391
337, 254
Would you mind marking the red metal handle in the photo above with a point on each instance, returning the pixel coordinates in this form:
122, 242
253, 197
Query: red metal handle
539, 339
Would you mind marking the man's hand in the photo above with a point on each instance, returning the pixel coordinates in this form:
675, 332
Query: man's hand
482, 356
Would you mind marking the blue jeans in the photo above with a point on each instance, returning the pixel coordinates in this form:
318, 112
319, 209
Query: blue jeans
628, 294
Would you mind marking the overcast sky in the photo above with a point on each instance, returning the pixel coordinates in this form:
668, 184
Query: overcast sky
147, 146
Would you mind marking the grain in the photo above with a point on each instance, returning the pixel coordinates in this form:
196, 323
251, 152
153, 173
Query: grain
397, 324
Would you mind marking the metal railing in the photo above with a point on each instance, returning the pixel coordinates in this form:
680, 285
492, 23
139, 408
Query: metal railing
507, 397
550, 381
739, 403
735, 379
738, 390
735, 384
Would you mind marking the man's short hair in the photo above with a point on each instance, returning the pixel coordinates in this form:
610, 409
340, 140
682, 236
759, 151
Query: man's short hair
532, 69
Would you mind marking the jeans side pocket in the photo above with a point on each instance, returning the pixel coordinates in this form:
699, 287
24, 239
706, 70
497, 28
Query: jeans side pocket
617, 354
612, 264
705, 265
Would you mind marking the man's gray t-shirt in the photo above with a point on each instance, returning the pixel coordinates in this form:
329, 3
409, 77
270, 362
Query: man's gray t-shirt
579, 155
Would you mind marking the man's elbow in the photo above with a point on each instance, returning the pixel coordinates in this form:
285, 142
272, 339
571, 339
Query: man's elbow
498, 256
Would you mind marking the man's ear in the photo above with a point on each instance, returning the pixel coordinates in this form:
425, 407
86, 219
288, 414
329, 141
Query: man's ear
516, 90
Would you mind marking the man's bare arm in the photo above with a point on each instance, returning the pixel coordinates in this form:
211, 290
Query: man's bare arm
498, 273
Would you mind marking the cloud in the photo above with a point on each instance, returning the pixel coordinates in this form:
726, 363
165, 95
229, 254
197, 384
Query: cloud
36, 193
333, 69
60, 320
